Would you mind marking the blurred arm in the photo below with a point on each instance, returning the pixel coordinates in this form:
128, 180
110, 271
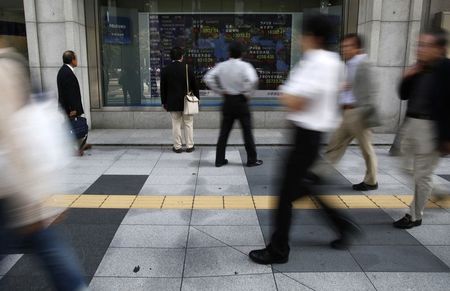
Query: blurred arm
211, 80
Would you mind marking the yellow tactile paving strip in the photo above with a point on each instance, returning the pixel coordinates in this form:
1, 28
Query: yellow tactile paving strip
234, 202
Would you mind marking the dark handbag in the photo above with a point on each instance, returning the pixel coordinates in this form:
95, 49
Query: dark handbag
80, 127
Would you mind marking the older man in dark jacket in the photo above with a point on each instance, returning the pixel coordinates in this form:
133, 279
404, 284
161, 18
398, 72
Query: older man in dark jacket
173, 91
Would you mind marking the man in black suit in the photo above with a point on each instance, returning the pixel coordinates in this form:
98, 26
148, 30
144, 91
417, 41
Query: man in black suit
69, 93
173, 90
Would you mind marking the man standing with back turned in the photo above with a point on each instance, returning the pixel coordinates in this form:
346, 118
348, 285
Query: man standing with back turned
310, 95
357, 101
69, 93
235, 80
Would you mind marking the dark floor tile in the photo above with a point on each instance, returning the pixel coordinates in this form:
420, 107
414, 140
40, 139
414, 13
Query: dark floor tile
117, 185
299, 217
368, 216
264, 189
318, 259
397, 259
446, 177
378, 235
304, 235
93, 216
26, 283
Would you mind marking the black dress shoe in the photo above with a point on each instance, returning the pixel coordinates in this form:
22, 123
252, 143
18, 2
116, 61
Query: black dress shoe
190, 150
220, 164
365, 187
255, 163
178, 151
265, 257
406, 222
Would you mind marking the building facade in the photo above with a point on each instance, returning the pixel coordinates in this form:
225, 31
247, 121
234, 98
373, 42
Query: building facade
123, 44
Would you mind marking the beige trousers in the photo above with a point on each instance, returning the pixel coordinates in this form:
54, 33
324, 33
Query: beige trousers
419, 143
352, 127
180, 120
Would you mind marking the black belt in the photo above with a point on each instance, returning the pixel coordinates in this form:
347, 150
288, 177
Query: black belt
419, 116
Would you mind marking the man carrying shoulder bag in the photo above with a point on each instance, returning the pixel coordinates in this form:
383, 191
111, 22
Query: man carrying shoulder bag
177, 79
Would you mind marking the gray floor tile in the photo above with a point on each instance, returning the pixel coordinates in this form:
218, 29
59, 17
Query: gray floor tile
224, 217
228, 170
7, 263
148, 190
442, 252
397, 259
234, 235
222, 180
177, 164
222, 190
73, 188
318, 259
150, 236
382, 179
263, 282
432, 234
137, 284
188, 171
220, 261
384, 235
410, 281
128, 170
199, 239
157, 217
121, 262
264, 189
170, 180
391, 189
325, 281
141, 154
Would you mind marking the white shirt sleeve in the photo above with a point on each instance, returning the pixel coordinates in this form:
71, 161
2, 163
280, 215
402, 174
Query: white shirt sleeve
211, 79
304, 81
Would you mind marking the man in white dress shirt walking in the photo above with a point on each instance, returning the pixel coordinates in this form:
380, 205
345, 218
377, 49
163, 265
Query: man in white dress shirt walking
310, 96
235, 80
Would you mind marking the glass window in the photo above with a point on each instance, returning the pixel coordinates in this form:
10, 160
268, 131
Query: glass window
12, 25
136, 38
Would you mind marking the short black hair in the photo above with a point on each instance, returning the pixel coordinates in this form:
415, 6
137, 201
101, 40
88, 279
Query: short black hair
68, 57
440, 35
176, 53
358, 39
319, 26
235, 49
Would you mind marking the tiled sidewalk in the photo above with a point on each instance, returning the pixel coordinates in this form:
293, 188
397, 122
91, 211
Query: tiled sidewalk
206, 249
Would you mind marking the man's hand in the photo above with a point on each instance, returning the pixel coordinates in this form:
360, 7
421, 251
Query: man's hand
413, 70
73, 114
293, 103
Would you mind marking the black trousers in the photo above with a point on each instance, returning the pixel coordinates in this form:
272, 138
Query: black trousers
236, 107
297, 164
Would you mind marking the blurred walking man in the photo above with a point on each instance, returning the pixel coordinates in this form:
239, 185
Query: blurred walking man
357, 101
310, 95
235, 80
426, 86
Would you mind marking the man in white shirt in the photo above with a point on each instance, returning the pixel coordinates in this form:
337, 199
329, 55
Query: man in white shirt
235, 80
310, 95
357, 101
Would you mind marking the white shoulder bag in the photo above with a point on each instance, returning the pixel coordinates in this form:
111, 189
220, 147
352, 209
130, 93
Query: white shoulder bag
190, 100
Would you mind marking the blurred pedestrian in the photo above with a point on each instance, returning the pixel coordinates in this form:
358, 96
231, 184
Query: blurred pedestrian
176, 80
310, 95
357, 101
69, 96
235, 80
426, 86
28, 178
